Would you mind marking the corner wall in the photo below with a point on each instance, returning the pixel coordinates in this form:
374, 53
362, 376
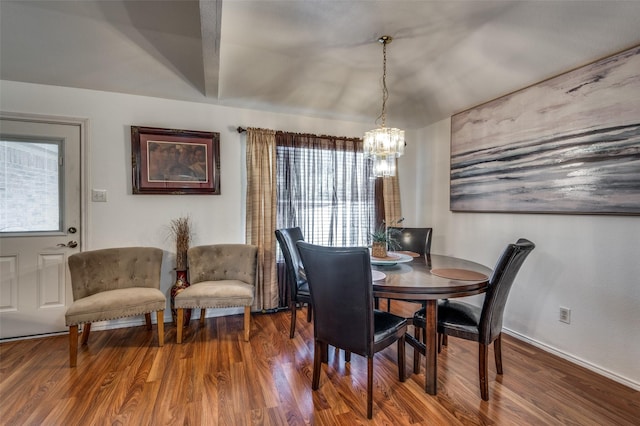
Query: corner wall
590, 264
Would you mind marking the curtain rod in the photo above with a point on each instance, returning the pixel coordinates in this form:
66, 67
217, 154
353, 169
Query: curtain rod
241, 129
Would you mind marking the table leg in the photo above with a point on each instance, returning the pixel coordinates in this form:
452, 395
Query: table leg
431, 350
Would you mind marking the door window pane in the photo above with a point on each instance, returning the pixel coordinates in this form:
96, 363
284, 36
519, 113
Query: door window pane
29, 186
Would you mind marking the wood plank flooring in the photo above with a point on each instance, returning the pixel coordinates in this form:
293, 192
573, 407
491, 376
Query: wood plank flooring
215, 378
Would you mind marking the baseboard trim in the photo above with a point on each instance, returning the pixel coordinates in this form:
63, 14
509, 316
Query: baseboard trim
589, 366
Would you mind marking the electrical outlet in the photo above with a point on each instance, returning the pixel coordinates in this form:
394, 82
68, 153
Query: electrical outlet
565, 315
99, 195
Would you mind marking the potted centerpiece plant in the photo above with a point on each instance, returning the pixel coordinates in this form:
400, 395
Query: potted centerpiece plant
180, 229
384, 239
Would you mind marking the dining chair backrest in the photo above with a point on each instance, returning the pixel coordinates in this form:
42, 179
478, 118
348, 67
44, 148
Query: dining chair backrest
504, 274
287, 239
417, 240
342, 296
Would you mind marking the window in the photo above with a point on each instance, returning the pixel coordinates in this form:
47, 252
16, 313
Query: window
29, 186
324, 187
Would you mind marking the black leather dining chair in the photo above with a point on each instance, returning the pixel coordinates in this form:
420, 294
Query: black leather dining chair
343, 314
298, 287
483, 324
416, 240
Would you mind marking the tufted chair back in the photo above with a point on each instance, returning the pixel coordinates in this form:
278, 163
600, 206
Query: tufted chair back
221, 262
96, 271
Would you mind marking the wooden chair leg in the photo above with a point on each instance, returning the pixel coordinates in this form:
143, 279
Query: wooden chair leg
370, 387
179, 324
147, 318
388, 305
160, 321
497, 349
86, 329
347, 356
203, 314
309, 312
445, 340
482, 367
317, 364
401, 363
293, 306
73, 345
376, 303
247, 322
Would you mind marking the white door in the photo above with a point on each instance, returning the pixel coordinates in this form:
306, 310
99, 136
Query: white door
39, 223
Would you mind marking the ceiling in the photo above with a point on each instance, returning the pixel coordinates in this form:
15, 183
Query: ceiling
315, 57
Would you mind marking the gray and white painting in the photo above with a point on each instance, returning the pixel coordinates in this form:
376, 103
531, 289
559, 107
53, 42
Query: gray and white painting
570, 144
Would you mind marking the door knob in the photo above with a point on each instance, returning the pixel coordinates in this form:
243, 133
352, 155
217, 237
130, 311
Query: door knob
70, 244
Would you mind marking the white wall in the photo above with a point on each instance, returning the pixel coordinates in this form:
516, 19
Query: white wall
129, 220
590, 264
587, 263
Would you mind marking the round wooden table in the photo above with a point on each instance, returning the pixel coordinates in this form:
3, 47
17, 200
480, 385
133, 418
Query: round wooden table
415, 281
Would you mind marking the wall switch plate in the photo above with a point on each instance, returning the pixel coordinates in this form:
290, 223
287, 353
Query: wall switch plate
99, 195
565, 315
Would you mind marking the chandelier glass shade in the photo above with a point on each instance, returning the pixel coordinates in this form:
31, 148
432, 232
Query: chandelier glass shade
384, 144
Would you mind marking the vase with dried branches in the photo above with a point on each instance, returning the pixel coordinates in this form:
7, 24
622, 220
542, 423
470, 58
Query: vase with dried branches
181, 232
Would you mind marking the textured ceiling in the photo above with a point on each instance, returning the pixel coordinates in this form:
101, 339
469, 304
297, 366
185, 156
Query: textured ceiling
316, 58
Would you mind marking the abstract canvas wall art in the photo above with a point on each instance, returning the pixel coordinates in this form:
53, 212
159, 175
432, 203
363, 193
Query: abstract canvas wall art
570, 144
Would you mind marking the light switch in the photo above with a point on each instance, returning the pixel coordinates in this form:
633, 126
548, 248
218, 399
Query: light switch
99, 195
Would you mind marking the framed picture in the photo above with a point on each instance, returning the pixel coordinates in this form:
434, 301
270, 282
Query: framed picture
169, 161
570, 144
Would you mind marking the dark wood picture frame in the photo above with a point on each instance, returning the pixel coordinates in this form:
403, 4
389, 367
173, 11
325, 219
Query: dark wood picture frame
177, 162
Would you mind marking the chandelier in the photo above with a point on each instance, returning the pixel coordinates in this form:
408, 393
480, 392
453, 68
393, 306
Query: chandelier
384, 144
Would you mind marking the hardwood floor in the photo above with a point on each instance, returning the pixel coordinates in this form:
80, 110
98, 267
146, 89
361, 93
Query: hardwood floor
215, 378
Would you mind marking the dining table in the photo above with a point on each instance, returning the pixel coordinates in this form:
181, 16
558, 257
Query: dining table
426, 279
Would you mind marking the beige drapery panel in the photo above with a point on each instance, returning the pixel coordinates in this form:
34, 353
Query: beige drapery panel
261, 213
391, 197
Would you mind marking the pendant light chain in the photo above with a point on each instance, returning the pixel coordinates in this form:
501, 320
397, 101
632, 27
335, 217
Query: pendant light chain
385, 92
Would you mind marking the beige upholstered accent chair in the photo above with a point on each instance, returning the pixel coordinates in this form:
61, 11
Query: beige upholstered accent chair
114, 283
221, 276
